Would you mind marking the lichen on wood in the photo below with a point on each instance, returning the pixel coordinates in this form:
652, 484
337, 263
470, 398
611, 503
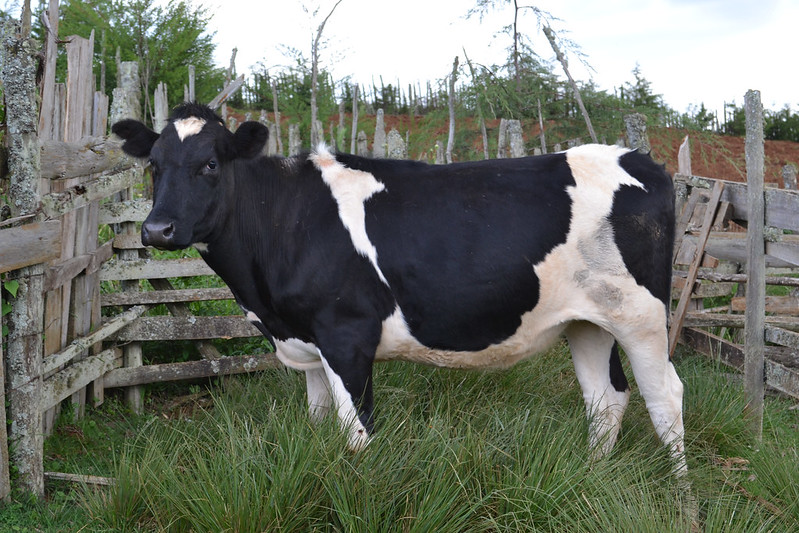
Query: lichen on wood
19, 60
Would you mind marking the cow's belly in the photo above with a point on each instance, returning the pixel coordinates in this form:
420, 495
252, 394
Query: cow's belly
535, 334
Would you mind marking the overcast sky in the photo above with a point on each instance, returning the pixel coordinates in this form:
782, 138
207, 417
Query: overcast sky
691, 51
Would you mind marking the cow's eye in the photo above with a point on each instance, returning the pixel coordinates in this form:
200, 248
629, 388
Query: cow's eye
211, 165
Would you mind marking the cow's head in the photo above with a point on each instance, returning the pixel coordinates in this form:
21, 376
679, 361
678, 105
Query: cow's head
192, 164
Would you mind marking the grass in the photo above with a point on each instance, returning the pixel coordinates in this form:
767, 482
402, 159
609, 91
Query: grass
455, 451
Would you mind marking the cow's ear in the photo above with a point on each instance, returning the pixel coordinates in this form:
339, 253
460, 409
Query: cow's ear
139, 139
250, 138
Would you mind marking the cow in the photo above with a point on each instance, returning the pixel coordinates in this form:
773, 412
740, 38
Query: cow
341, 261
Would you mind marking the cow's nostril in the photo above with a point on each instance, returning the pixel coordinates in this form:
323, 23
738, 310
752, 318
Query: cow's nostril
169, 230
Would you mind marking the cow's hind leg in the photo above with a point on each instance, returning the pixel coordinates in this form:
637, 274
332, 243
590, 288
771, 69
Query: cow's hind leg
645, 341
605, 388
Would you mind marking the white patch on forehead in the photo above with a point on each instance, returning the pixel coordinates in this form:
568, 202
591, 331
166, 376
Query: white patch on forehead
351, 189
186, 127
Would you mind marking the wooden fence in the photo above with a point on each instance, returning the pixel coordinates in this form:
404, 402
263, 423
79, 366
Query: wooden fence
79, 311
69, 338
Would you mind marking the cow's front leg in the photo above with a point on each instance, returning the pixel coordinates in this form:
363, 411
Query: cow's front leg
319, 398
351, 388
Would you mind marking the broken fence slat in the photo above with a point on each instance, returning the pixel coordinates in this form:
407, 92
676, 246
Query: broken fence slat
685, 296
76, 376
229, 90
77, 346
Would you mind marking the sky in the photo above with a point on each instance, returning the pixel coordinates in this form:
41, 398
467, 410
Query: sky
691, 51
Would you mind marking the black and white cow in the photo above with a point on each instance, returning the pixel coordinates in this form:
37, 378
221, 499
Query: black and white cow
342, 261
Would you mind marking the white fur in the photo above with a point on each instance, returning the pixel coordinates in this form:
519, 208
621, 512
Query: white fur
358, 437
320, 398
591, 348
351, 189
297, 354
186, 127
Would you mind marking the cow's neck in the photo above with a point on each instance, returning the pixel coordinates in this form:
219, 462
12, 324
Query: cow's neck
243, 249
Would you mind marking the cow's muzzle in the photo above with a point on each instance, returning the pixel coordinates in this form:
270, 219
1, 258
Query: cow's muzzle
159, 234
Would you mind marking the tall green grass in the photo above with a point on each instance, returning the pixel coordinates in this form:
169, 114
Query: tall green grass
454, 452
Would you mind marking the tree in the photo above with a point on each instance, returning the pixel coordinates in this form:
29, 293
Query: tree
316, 135
638, 94
518, 40
165, 40
782, 125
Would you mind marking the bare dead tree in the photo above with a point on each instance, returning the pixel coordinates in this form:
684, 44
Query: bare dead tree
565, 64
452, 79
483, 6
277, 118
354, 118
479, 108
316, 135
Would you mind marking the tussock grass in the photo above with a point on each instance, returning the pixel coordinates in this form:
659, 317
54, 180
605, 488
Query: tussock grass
454, 452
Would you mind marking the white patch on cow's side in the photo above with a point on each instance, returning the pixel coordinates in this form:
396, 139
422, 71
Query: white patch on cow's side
297, 354
201, 247
351, 189
357, 436
598, 176
186, 127
320, 398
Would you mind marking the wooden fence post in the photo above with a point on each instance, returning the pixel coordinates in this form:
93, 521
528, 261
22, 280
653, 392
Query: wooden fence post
161, 108
295, 142
684, 157
379, 145
516, 138
363, 144
189, 92
5, 474
502, 140
396, 145
126, 105
754, 330
82, 237
636, 132
25, 322
789, 176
